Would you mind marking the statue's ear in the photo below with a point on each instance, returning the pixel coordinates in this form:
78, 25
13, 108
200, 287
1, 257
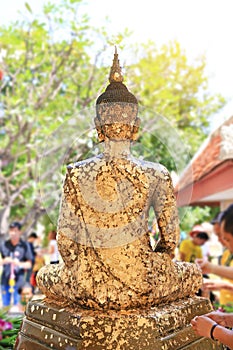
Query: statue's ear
99, 130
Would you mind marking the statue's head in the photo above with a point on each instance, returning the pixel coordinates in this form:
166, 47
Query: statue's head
117, 109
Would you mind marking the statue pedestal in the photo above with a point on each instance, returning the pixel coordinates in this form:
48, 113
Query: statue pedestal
52, 326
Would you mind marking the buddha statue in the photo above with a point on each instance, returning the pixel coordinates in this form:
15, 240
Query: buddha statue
108, 262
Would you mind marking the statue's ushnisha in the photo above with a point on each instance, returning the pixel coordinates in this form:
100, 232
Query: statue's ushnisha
103, 223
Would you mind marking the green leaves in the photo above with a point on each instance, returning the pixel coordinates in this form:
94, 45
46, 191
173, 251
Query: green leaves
54, 68
28, 7
9, 328
49, 76
175, 88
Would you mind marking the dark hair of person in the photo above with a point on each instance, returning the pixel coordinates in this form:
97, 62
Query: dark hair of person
227, 219
202, 235
33, 235
52, 235
16, 224
217, 218
25, 285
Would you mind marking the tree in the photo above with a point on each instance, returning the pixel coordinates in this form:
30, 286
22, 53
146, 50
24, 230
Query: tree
169, 86
50, 79
48, 76
175, 93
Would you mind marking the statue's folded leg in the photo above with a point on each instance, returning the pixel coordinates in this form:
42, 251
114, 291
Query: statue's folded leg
52, 279
189, 277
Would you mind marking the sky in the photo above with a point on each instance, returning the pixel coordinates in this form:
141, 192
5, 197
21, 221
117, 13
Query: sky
201, 27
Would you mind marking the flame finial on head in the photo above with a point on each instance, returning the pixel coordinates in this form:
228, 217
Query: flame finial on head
115, 72
116, 91
116, 108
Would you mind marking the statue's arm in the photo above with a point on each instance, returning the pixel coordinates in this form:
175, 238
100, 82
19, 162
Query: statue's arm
165, 208
65, 236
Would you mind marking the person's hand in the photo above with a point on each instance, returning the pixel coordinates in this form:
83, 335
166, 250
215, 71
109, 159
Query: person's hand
16, 262
202, 325
204, 265
215, 285
8, 260
218, 317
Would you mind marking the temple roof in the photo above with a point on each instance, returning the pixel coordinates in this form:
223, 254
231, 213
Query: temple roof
209, 175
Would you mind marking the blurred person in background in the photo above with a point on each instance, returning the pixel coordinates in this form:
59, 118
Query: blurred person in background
53, 248
225, 270
39, 262
216, 222
32, 238
26, 294
190, 248
16, 258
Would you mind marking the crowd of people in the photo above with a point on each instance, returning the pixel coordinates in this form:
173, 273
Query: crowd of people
21, 259
194, 248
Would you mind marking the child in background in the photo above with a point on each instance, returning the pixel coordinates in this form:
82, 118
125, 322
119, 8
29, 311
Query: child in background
39, 262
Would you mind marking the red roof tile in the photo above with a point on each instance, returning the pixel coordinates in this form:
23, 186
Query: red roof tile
209, 156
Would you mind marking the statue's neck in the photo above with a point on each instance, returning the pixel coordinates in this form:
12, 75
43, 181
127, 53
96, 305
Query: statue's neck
116, 148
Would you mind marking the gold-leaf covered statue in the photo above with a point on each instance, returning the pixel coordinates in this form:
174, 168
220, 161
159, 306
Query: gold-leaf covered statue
103, 223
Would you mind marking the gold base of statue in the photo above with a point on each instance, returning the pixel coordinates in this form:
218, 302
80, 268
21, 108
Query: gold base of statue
51, 326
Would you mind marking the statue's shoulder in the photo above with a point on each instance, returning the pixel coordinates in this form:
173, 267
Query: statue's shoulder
86, 162
153, 168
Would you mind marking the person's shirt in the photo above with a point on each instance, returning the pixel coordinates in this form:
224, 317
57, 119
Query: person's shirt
20, 251
31, 245
226, 296
54, 257
39, 262
205, 248
190, 250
